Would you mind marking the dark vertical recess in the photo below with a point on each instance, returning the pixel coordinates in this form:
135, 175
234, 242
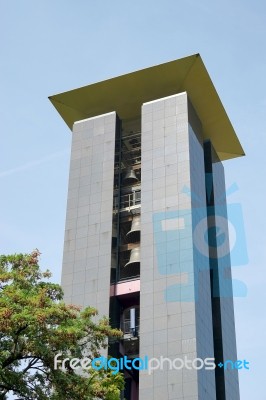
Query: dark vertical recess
116, 201
214, 275
114, 305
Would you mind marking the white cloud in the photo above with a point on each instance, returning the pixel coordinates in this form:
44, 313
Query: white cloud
34, 163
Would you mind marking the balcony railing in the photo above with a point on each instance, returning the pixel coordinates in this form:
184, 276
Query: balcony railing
130, 200
129, 332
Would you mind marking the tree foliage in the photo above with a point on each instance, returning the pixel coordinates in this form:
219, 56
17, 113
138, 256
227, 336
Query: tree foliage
35, 325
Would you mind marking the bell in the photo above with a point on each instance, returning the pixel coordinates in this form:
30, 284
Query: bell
134, 234
134, 257
130, 177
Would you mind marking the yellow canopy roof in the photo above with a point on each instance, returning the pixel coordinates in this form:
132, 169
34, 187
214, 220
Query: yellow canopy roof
126, 93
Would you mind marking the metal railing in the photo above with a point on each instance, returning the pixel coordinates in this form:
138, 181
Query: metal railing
129, 331
130, 200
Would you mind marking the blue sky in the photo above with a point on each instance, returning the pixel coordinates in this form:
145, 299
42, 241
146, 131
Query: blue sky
49, 47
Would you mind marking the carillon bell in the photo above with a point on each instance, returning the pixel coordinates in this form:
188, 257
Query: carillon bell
134, 257
134, 234
130, 177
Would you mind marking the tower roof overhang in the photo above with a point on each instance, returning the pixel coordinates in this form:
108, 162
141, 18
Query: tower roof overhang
126, 93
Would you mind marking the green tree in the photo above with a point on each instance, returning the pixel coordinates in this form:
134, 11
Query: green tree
35, 325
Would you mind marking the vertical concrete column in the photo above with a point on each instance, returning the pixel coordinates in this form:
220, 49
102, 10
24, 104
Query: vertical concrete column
170, 312
88, 232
